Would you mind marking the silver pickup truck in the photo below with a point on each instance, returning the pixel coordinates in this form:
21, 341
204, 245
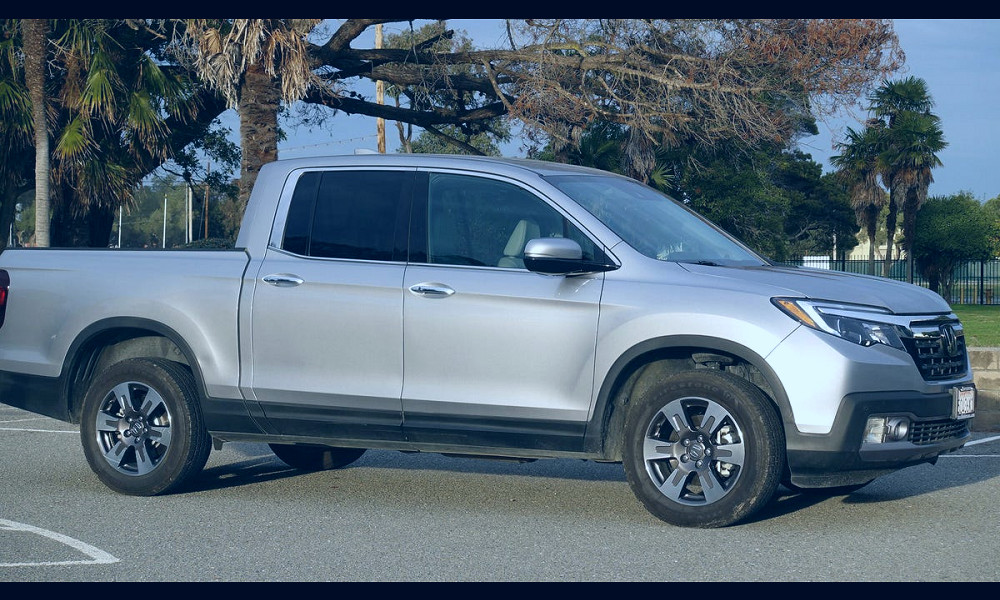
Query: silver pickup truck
491, 308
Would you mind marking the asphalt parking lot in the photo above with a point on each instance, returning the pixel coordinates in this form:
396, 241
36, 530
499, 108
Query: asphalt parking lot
409, 517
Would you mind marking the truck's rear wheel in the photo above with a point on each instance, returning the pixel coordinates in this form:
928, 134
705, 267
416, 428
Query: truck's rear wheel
703, 449
315, 458
142, 428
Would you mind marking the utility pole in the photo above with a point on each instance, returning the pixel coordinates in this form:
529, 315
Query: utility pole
188, 231
163, 240
207, 172
379, 96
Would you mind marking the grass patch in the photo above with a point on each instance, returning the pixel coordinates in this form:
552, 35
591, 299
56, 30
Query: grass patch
981, 323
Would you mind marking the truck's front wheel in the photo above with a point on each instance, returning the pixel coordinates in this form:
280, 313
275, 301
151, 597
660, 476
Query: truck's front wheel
703, 449
142, 428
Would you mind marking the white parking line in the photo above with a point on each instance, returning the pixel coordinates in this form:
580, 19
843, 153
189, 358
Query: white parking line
97, 556
9, 421
22, 420
984, 440
38, 430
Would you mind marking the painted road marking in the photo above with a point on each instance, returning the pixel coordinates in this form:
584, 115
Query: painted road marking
983, 441
97, 556
38, 430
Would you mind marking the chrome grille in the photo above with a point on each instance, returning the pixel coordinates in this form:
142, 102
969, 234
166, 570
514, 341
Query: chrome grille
932, 432
938, 348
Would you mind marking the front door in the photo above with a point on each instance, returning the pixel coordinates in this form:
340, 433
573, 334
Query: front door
494, 355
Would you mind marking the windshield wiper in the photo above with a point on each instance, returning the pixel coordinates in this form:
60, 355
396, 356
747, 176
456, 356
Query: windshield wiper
707, 263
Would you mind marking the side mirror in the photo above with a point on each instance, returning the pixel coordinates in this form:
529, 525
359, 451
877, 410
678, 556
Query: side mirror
559, 256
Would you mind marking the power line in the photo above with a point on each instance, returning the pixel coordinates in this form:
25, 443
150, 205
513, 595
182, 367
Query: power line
332, 143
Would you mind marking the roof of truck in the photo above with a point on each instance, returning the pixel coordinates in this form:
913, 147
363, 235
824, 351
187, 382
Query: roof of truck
477, 163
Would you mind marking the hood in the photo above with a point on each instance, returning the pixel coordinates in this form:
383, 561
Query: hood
822, 284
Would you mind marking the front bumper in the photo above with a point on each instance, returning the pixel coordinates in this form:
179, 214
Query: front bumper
841, 458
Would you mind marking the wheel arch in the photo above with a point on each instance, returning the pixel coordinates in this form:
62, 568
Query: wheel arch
113, 340
655, 358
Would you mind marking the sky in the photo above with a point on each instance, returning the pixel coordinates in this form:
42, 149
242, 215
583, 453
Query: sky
960, 61
958, 58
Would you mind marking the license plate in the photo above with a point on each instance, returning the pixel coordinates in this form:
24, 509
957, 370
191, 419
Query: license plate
963, 402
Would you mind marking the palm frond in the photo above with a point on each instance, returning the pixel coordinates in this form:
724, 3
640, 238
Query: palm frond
10, 56
144, 121
15, 106
98, 96
75, 141
104, 183
224, 51
172, 90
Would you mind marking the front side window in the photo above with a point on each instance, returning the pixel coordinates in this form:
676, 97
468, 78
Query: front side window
485, 222
348, 214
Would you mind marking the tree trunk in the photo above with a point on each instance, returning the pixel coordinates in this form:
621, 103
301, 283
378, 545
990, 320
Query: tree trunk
69, 228
933, 280
890, 235
100, 222
910, 206
35, 46
639, 158
871, 226
260, 99
871, 253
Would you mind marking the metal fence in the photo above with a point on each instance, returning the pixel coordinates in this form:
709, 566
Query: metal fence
974, 282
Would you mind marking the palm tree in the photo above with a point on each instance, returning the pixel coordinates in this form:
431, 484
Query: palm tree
911, 137
114, 101
858, 167
34, 34
912, 151
901, 106
904, 95
254, 64
113, 111
15, 127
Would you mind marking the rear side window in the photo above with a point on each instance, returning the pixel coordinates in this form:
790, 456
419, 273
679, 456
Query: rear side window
349, 214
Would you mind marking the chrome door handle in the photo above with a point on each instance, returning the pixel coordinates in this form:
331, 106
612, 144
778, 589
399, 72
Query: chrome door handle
283, 280
431, 290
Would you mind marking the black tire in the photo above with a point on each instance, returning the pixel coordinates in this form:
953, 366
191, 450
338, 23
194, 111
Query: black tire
142, 428
683, 445
315, 458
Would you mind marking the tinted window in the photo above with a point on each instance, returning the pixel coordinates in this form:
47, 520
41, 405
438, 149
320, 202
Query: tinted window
300, 212
347, 214
485, 222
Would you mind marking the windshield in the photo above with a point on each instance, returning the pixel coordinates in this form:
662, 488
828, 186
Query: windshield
653, 223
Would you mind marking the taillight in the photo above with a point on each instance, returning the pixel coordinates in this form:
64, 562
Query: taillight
4, 286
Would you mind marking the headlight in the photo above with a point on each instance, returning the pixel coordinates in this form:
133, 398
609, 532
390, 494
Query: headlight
854, 323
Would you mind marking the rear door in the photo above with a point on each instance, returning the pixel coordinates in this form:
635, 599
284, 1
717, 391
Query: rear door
327, 322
